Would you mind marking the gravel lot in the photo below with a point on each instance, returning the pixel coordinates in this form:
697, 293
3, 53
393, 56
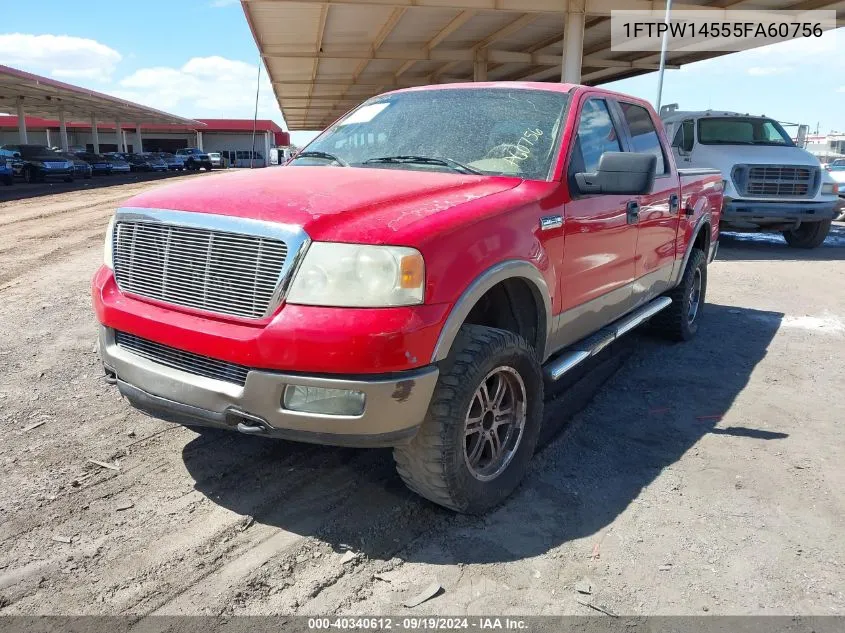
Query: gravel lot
705, 477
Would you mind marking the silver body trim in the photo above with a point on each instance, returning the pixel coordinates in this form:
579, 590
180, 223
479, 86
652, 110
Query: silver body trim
394, 403
549, 222
294, 237
513, 268
567, 361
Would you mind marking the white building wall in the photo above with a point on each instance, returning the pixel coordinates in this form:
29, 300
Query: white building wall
10, 137
212, 141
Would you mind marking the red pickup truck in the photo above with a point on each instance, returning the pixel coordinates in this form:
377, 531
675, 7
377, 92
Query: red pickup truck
413, 278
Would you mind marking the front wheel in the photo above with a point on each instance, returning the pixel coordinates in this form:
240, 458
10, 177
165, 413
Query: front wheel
808, 234
29, 175
481, 429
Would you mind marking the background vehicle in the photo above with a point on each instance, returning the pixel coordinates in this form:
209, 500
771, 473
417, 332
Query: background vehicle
81, 169
837, 171
411, 280
242, 159
770, 184
155, 161
174, 163
217, 160
137, 162
41, 163
99, 164
10, 166
118, 164
194, 158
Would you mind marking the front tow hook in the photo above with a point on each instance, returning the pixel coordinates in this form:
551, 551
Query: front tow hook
250, 424
251, 428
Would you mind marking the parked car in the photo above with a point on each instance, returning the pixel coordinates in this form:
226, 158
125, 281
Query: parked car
41, 163
413, 287
156, 162
10, 166
118, 164
770, 183
137, 162
217, 160
99, 163
194, 158
81, 168
174, 163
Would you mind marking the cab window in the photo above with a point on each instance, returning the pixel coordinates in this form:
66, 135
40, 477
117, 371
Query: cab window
596, 135
644, 137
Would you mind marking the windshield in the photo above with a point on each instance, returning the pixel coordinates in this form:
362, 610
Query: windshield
741, 131
31, 151
498, 131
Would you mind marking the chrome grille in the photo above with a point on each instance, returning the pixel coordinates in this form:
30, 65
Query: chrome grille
179, 359
777, 180
218, 271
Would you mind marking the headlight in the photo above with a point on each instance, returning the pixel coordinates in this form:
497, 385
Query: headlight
830, 188
108, 254
356, 275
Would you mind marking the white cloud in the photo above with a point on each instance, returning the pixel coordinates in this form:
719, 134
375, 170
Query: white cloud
841, 89
203, 87
767, 71
61, 56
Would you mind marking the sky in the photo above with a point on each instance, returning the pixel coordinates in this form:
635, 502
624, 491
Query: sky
197, 58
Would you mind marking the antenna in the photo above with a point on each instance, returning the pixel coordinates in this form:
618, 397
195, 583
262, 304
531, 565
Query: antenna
255, 115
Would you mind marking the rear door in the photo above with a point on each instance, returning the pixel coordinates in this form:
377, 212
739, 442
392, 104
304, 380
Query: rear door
659, 210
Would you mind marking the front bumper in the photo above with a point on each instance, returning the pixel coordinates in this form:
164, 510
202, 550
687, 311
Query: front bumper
55, 173
394, 408
738, 212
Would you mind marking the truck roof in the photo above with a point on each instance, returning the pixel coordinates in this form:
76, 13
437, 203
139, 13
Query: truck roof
675, 115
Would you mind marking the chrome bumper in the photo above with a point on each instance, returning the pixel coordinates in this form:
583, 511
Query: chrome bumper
395, 404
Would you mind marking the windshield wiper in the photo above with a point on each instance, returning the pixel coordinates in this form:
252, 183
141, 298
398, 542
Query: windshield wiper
425, 160
324, 155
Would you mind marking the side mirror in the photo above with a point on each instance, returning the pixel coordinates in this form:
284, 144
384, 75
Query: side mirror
630, 173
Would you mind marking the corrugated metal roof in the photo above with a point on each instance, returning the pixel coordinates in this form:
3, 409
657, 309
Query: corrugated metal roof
326, 56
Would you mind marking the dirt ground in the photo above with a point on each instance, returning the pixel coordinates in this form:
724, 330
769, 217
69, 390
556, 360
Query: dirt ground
706, 477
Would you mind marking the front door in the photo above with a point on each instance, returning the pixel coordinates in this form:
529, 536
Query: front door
600, 240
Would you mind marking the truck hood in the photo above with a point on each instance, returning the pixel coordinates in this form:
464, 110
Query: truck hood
346, 204
724, 157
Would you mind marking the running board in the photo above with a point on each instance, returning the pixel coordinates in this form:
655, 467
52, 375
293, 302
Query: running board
593, 344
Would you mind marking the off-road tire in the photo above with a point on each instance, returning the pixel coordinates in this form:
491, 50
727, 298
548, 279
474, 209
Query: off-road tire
673, 321
433, 464
808, 235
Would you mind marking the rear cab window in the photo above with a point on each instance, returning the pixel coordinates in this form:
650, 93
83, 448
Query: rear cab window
643, 135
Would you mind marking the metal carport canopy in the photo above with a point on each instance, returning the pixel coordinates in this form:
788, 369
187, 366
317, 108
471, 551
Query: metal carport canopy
26, 94
325, 56
49, 98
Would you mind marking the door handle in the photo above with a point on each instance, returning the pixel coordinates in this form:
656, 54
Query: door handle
632, 211
673, 202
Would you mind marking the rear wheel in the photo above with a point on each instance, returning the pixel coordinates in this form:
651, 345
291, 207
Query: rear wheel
679, 321
808, 235
479, 435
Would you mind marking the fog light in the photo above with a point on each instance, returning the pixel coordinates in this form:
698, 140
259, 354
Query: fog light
324, 401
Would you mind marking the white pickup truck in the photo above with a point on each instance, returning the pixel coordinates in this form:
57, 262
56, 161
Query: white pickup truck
770, 184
